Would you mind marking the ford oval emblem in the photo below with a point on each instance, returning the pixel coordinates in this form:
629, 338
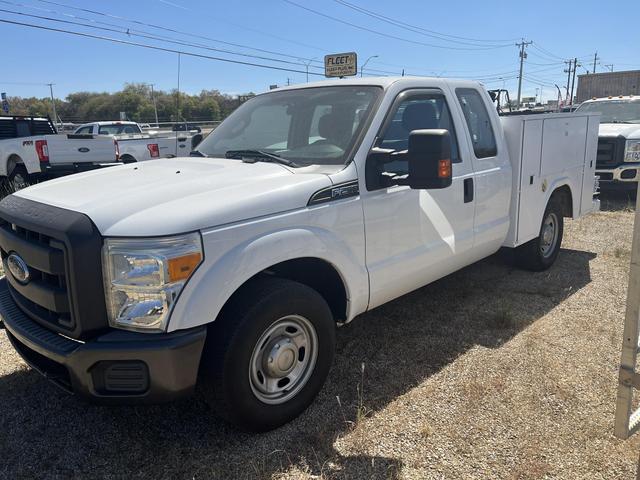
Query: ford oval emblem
83, 149
18, 268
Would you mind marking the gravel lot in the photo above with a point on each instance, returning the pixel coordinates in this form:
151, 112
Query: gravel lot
491, 372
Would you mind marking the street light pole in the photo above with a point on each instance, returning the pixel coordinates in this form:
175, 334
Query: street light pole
365, 63
53, 104
306, 66
155, 108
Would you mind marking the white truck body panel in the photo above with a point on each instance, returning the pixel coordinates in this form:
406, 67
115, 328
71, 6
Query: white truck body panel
543, 159
383, 243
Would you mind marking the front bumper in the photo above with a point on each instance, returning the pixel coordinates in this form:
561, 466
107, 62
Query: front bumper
116, 367
623, 173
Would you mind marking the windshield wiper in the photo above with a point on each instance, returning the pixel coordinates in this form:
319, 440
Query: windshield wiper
259, 156
620, 121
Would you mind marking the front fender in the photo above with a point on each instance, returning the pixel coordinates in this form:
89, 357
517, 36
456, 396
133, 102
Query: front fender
220, 276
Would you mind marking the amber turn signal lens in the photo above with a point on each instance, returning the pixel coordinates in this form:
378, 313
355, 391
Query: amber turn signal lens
181, 268
444, 168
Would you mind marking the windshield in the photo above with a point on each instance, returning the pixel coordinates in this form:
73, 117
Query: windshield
117, 129
310, 126
614, 111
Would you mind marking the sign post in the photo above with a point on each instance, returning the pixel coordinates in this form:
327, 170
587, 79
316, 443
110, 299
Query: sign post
5, 103
341, 64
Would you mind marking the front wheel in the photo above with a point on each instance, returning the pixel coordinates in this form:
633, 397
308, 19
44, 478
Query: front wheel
541, 252
268, 354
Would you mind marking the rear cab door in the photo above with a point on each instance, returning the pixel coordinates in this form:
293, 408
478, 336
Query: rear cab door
416, 236
492, 182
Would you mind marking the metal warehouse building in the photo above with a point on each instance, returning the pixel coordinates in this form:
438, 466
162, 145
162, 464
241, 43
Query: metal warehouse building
608, 83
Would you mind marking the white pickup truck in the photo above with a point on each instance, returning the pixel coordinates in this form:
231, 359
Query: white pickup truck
618, 161
136, 146
31, 148
307, 207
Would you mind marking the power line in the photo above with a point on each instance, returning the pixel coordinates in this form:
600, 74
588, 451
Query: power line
155, 47
159, 27
387, 35
416, 29
148, 36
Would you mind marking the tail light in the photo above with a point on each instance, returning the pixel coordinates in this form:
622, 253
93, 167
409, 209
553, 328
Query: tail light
154, 151
42, 150
115, 144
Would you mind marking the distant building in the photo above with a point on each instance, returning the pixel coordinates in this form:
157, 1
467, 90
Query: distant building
608, 84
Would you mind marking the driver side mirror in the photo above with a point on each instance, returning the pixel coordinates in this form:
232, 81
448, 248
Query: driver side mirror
429, 158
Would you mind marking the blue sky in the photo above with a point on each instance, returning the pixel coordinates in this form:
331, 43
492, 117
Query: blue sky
32, 58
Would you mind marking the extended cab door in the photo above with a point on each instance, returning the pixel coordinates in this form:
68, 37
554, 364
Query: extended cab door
416, 236
489, 157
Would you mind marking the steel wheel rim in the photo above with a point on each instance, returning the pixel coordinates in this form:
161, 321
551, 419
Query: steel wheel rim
549, 235
283, 359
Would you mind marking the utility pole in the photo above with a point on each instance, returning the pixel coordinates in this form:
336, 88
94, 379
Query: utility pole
155, 108
53, 104
523, 55
568, 72
178, 98
610, 67
573, 80
595, 60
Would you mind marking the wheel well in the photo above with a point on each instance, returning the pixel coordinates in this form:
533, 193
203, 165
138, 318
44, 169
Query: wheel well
127, 159
317, 274
563, 194
12, 162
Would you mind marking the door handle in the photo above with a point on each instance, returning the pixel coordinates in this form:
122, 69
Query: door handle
468, 190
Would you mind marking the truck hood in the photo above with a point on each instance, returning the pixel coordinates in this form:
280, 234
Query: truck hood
627, 130
162, 197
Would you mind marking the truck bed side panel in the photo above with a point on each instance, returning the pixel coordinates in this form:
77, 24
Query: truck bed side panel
547, 152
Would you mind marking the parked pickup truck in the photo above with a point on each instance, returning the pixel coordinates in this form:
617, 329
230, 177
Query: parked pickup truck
31, 148
136, 146
618, 160
305, 208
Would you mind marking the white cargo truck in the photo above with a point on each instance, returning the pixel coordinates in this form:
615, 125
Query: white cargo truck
307, 207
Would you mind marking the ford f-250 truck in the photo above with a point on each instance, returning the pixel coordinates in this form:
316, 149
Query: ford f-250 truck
136, 146
618, 160
305, 208
31, 148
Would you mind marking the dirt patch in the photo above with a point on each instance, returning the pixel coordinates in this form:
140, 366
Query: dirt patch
491, 372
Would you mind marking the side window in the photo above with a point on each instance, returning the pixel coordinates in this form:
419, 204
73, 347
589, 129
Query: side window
478, 121
417, 113
84, 130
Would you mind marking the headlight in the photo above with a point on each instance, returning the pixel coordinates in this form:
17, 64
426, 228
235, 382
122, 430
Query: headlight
632, 151
144, 276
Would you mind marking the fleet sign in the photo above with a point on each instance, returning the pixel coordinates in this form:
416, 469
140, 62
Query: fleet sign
341, 64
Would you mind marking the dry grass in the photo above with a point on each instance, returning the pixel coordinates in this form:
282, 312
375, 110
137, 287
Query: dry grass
489, 373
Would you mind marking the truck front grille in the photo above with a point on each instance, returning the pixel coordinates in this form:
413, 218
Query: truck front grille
44, 297
61, 249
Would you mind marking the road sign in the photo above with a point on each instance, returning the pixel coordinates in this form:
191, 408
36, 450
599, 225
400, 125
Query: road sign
341, 64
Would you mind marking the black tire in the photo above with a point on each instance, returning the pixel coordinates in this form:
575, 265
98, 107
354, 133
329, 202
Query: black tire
228, 378
128, 159
539, 254
18, 179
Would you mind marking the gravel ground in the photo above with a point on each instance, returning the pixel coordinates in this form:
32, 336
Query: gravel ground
491, 372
